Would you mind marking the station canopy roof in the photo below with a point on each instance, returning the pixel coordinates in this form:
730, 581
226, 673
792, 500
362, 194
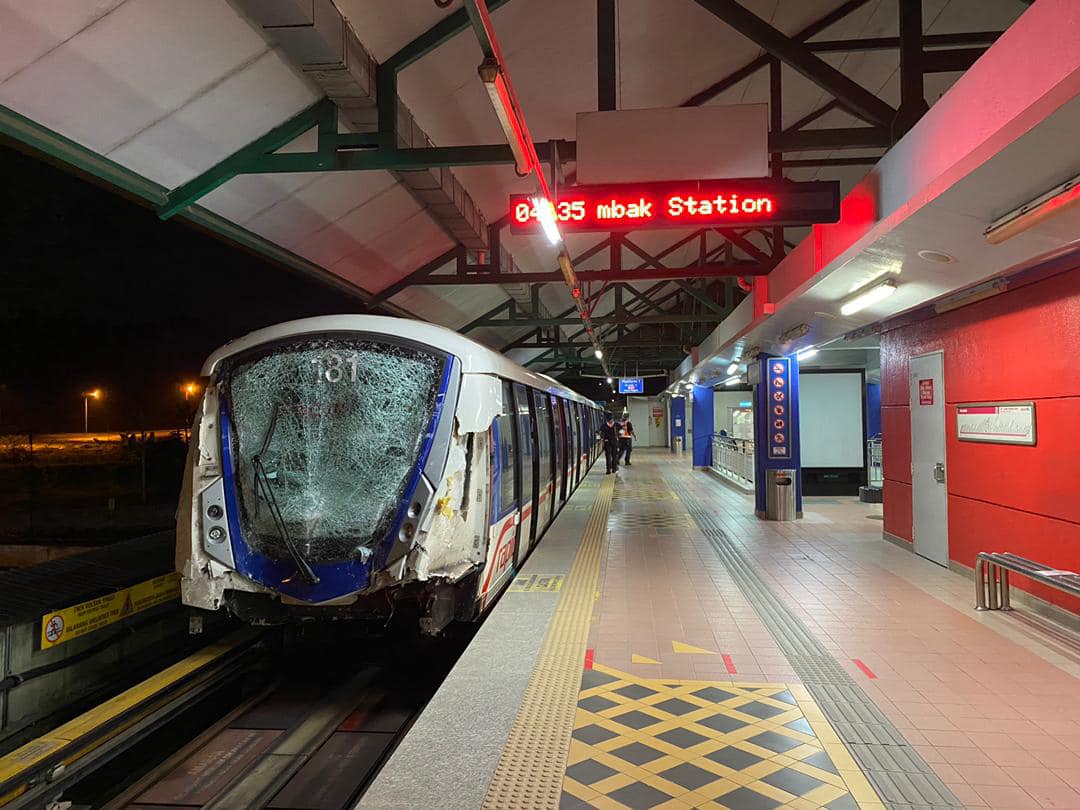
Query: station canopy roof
165, 92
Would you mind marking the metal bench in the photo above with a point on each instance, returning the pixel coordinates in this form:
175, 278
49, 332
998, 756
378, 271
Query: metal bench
992, 578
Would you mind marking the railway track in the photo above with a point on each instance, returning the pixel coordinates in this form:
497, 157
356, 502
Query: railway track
247, 722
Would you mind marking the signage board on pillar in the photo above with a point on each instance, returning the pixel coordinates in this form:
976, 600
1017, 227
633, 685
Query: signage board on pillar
778, 396
631, 385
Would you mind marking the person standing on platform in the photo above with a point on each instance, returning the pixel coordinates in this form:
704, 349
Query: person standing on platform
626, 439
609, 433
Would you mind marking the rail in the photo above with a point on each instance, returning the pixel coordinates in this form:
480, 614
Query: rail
733, 458
992, 578
874, 475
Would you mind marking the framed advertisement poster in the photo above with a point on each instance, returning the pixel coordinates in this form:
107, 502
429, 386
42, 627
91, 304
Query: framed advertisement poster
996, 422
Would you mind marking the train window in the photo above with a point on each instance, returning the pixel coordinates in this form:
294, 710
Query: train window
507, 496
329, 429
525, 443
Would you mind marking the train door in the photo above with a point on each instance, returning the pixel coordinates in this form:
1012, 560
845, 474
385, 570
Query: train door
558, 494
545, 430
505, 498
579, 441
527, 477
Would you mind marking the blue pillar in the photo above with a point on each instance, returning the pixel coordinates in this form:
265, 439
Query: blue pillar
776, 424
873, 410
678, 421
703, 425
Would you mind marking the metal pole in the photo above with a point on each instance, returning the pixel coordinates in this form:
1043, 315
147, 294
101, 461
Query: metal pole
980, 584
85, 414
1005, 590
994, 598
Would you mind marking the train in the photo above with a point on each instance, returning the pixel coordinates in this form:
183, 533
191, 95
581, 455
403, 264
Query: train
343, 466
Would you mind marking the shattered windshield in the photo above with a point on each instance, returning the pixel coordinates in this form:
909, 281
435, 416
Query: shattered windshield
337, 425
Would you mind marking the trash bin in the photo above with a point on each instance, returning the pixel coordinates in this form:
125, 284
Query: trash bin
676, 444
780, 495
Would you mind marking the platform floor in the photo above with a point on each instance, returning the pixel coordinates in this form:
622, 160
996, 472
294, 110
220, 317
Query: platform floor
694, 656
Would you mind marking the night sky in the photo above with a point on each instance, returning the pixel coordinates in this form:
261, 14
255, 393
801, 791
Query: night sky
96, 291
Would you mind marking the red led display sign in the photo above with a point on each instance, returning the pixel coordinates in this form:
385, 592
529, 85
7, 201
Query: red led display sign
691, 204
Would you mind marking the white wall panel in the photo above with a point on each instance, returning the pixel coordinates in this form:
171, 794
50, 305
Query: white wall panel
831, 419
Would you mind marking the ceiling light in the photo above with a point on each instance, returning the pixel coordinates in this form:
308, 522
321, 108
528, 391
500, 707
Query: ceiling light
979, 292
599, 354
609, 381
1031, 214
806, 354
733, 381
509, 119
868, 297
545, 214
939, 256
732, 368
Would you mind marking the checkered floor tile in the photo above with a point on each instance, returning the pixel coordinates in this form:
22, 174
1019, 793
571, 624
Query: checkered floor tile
640, 743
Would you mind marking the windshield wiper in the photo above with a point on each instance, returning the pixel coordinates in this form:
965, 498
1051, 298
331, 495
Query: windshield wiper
262, 484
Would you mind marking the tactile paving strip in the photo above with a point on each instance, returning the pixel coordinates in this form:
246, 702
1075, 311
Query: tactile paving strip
530, 770
900, 776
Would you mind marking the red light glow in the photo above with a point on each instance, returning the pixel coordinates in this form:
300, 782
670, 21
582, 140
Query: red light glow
695, 204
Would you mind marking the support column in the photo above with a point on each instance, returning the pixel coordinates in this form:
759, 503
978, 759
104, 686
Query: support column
677, 424
776, 424
703, 425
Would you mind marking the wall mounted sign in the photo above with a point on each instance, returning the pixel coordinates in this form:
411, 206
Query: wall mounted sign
631, 385
695, 203
926, 392
778, 380
996, 422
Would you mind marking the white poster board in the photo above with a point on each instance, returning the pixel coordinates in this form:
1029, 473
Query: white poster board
712, 141
996, 422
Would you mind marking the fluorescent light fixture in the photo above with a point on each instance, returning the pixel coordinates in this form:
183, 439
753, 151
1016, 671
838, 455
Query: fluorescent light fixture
868, 297
599, 354
545, 214
733, 381
732, 368
1033, 213
806, 354
979, 292
492, 77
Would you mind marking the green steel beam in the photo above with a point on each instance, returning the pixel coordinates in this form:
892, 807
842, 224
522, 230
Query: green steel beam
321, 114
605, 54
446, 29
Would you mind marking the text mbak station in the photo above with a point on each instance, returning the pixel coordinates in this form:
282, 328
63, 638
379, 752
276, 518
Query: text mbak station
702, 203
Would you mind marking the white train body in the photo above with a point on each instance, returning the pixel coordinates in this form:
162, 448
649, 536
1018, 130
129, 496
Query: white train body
342, 463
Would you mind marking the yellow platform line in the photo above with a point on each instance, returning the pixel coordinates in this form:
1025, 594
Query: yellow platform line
531, 768
71, 734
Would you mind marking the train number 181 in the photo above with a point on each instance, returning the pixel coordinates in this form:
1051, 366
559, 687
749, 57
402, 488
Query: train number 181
333, 368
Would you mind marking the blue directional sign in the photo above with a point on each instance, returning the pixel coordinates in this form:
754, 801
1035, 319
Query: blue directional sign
631, 385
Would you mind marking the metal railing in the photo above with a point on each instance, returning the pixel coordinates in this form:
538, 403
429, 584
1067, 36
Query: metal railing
733, 458
992, 578
874, 473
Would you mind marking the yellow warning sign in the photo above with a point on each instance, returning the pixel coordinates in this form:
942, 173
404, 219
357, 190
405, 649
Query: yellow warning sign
78, 620
537, 584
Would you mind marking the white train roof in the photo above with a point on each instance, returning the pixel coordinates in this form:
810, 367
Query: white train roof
475, 357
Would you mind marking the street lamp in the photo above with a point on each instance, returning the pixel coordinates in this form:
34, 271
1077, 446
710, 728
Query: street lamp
190, 389
86, 397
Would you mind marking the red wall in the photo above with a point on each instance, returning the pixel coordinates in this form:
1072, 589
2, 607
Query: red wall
1020, 345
